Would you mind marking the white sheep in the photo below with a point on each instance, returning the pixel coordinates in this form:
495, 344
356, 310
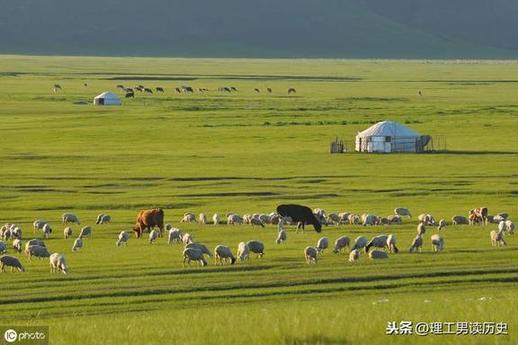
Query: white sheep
344, 217
222, 253
36, 251
69, 218
78, 244
174, 236
333, 218
394, 219
497, 238
3, 247
188, 218
421, 228
353, 219
201, 247
243, 252
202, 218
442, 224
310, 254
417, 244
402, 211
215, 219
67, 232
57, 263
322, 244
86, 232
256, 247
34, 242
437, 243
378, 254
17, 244
168, 226
16, 232
354, 255
360, 242
193, 254
341, 243
379, 241
459, 220
103, 219
39, 224
187, 238
11, 261
153, 235
281, 236
123, 239
369, 219
233, 219
47, 230
391, 244
427, 218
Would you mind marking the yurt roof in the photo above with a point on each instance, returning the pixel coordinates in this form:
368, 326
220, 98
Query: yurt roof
388, 128
107, 95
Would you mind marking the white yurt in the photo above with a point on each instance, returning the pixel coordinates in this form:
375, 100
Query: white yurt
389, 136
107, 98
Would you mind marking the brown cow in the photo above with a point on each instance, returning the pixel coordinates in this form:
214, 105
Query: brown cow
478, 215
148, 219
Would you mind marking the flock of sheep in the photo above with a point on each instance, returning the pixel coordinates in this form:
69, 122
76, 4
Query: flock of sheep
378, 247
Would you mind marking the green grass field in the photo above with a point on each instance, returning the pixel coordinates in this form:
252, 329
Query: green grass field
247, 153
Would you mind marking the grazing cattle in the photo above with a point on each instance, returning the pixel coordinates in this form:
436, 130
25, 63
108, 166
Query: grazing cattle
148, 90
120, 86
148, 219
257, 90
291, 90
300, 214
187, 89
178, 90
130, 95
269, 90
233, 88
85, 84
225, 89
159, 89
478, 215
58, 87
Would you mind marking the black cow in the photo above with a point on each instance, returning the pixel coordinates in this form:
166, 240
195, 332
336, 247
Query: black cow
299, 213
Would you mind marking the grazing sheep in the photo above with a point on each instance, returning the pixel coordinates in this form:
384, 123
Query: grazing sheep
69, 218
256, 221
427, 219
153, 235
17, 244
188, 218
360, 242
344, 217
256, 247
233, 219
442, 224
16, 232
510, 227
168, 227
502, 226
215, 219
175, 236
378, 254
437, 243
354, 255
391, 244
3, 247
417, 244
281, 236
193, 254
322, 244
11, 261
499, 217
57, 263
333, 218
369, 219
421, 228
39, 224
187, 238
459, 220
200, 247
341, 243
222, 253
353, 219
243, 252
310, 254
395, 219
47, 230
202, 218
86, 232
36, 251
67, 232
275, 218
497, 238
379, 241
123, 239
34, 242
78, 244
103, 219
402, 211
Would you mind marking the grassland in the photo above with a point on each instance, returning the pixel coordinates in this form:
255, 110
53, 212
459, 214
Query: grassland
248, 152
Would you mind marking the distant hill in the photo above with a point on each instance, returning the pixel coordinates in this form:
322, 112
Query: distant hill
263, 28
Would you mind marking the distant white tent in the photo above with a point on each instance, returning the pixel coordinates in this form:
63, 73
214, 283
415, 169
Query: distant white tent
388, 136
107, 98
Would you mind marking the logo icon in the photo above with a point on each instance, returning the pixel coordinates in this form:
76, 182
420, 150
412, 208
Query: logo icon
10, 335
